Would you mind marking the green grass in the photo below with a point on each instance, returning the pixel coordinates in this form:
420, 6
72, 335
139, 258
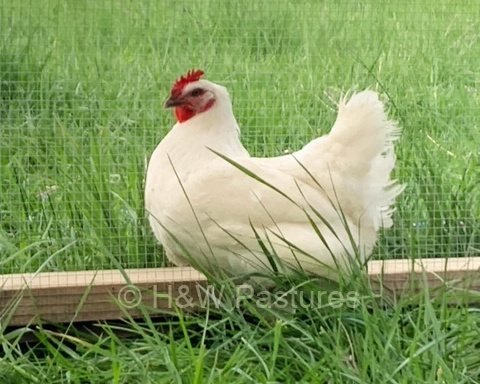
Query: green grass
82, 86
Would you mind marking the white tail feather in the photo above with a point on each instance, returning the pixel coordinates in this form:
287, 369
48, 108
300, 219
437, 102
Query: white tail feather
366, 139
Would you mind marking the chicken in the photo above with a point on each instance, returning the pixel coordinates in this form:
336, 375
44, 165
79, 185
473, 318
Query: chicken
214, 206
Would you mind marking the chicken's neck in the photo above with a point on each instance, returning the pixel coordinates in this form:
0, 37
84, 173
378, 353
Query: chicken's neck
215, 129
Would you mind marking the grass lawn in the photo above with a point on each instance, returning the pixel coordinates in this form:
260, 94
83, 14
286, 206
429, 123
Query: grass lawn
82, 85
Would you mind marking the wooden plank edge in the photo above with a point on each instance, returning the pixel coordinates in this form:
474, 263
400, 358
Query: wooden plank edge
63, 297
406, 276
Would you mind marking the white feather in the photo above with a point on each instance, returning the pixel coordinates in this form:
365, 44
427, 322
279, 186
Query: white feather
204, 206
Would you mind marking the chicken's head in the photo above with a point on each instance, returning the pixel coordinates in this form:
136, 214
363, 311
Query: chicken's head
190, 96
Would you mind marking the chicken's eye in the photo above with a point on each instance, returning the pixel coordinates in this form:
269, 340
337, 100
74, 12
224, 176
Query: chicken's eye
196, 92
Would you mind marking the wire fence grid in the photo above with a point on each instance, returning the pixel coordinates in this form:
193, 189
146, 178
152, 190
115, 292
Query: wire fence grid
82, 86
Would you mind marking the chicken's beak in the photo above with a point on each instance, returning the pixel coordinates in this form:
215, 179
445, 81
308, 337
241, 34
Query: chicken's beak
173, 103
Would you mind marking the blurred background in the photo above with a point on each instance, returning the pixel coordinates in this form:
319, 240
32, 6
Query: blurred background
82, 87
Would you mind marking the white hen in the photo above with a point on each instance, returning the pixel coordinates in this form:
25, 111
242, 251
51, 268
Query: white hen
311, 209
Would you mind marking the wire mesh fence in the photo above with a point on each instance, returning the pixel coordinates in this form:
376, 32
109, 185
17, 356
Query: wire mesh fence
81, 106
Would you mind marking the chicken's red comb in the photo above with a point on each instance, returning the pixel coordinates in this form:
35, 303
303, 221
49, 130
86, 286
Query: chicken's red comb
190, 77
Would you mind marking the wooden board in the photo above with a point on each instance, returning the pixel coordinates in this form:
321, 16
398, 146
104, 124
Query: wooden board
404, 277
64, 297
60, 297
